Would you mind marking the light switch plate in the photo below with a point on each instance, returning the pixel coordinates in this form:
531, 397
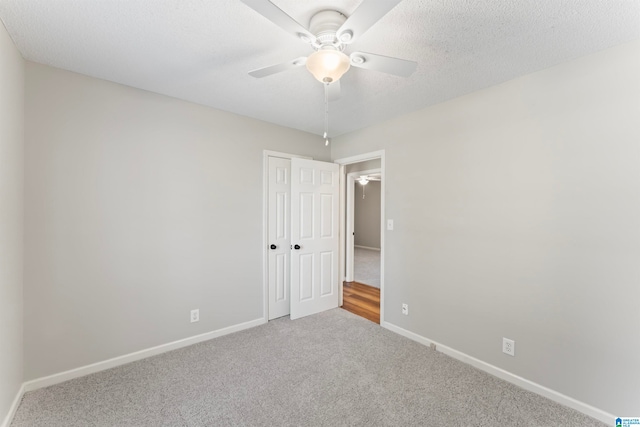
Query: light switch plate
389, 224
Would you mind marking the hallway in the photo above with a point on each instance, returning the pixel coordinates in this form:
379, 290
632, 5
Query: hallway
366, 267
362, 300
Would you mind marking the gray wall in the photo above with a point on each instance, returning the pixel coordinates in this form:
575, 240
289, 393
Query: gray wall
363, 166
367, 215
11, 220
139, 207
517, 214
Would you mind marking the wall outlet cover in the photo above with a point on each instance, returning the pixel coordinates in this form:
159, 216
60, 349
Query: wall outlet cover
508, 346
405, 309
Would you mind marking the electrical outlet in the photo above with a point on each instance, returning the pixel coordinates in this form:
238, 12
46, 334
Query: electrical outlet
195, 315
405, 309
432, 346
508, 346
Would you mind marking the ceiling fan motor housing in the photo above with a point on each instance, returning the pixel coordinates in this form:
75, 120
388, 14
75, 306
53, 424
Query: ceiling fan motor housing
324, 25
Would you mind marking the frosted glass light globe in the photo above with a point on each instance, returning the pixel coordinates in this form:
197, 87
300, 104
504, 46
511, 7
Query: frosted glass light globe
328, 65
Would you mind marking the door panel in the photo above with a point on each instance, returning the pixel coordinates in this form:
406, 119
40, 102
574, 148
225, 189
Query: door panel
314, 229
282, 214
282, 271
279, 208
326, 273
327, 227
306, 277
305, 213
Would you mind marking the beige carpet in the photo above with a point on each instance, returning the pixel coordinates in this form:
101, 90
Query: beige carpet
330, 369
366, 267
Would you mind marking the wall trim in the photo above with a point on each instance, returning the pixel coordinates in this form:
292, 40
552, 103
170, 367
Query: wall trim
14, 407
360, 158
135, 356
366, 247
506, 375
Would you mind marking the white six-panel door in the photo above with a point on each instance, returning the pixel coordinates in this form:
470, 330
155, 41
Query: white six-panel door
279, 241
314, 237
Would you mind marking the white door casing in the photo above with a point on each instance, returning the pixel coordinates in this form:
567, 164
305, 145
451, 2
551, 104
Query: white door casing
279, 236
343, 162
350, 224
314, 237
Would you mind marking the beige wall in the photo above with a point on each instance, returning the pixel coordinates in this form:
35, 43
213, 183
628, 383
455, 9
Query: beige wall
367, 215
139, 208
363, 166
517, 214
11, 219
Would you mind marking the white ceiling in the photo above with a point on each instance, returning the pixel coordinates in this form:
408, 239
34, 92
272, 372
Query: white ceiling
201, 51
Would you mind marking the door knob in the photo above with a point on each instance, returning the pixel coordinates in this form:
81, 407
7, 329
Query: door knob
273, 246
296, 247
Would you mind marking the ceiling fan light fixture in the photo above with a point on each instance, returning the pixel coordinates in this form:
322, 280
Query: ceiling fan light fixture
328, 65
363, 180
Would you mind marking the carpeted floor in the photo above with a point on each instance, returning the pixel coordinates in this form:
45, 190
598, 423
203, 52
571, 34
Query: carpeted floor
330, 369
366, 267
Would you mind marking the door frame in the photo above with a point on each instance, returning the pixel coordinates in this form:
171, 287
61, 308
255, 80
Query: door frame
265, 223
343, 162
350, 219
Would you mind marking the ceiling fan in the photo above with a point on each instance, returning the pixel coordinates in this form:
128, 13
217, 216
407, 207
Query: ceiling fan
364, 179
329, 33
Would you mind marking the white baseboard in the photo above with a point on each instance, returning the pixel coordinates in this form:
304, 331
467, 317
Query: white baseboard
13, 408
138, 355
505, 375
367, 247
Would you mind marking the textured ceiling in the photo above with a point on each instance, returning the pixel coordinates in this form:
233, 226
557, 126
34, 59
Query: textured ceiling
201, 51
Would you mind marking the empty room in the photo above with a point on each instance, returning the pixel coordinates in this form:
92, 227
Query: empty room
177, 192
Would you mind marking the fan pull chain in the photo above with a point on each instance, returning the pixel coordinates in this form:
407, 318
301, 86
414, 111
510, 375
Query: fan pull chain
326, 114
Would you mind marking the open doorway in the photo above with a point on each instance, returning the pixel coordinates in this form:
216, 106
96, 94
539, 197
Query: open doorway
363, 242
366, 227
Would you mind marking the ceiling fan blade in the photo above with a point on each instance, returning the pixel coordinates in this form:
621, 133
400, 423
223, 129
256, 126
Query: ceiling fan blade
368, 13
278, 68
334, 91
276, 15
385, 64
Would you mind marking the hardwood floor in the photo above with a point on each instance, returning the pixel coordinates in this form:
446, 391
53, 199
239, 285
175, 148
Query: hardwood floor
363, 300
